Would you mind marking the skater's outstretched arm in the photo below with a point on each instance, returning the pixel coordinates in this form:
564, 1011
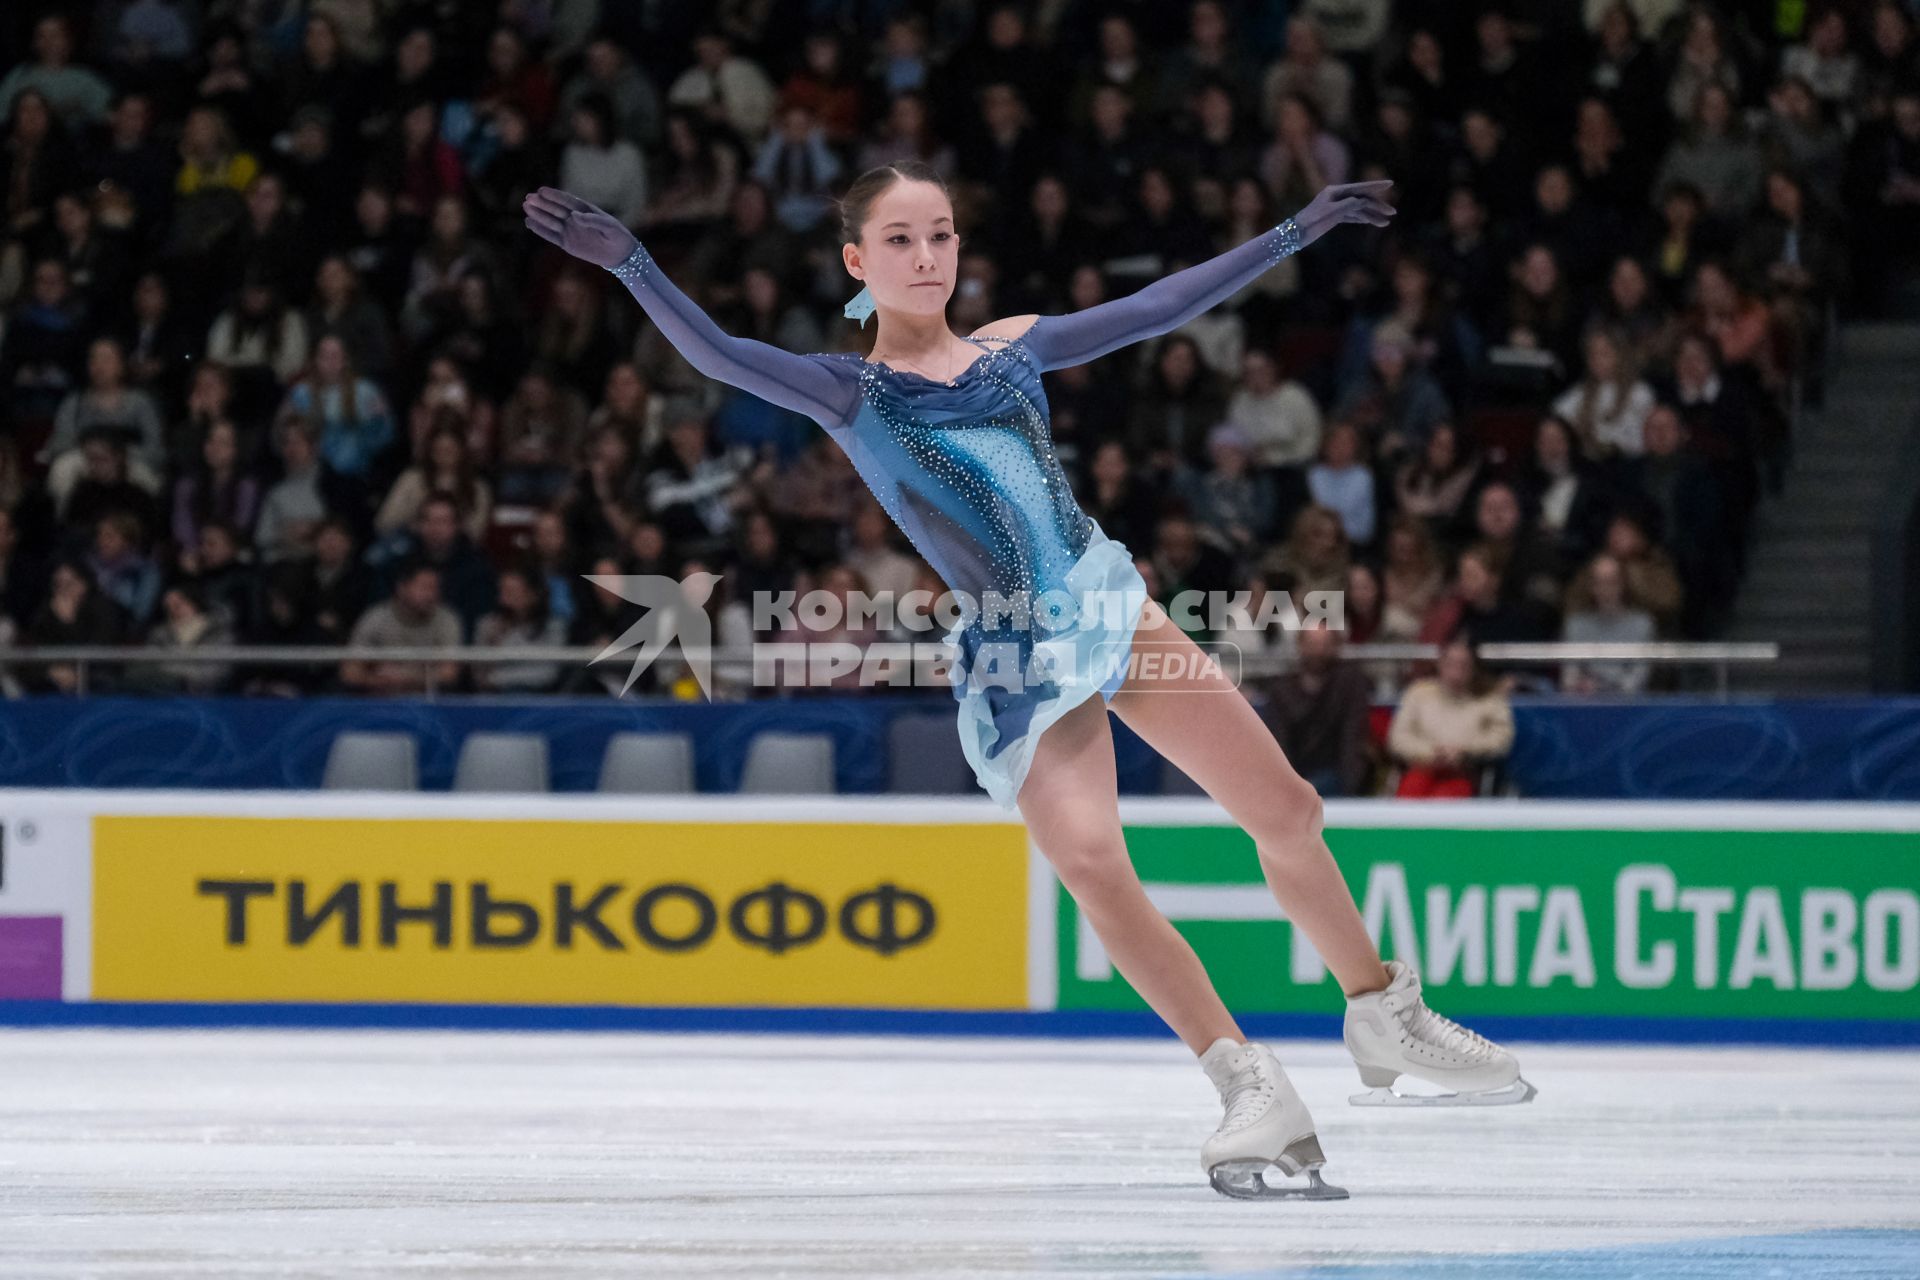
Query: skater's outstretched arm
779, 377
1059, 341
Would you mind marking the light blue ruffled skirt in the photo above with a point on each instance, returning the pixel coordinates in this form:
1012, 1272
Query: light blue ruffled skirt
1000, 727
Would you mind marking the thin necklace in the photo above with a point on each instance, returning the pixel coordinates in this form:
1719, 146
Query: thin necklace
949, 379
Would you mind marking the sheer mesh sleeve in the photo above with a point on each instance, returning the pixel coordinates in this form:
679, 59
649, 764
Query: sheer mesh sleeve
1160, 307
814, 385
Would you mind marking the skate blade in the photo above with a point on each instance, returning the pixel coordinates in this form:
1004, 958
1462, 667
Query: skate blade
1517, 1092
1246, 1179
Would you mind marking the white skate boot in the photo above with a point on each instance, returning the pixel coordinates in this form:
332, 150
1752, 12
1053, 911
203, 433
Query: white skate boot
1266, 1123
1392, 1033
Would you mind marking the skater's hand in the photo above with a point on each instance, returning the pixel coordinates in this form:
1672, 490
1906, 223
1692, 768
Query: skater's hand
1363, 202
586, 232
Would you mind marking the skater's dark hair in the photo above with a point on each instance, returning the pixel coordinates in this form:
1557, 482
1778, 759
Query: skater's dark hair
857, 203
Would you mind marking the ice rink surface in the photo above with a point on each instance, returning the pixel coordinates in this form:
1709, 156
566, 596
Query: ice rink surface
381, 1153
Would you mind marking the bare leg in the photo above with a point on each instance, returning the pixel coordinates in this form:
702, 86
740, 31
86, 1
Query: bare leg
1069, 801
1200, 721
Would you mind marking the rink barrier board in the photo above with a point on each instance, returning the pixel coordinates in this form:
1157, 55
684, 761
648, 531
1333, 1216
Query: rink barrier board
846, 848
1047, 1023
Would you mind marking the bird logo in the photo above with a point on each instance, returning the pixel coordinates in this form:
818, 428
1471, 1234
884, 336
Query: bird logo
676, 610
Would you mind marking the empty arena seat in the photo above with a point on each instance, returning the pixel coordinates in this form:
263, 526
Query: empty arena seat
502, 762
361, 761
924, 757
648, 764
789, 764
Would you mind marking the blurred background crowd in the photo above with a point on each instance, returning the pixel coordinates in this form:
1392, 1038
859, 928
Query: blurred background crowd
282, 365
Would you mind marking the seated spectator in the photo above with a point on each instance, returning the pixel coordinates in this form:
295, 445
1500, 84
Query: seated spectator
603, 617
574, 343
1715, 155
626, 406
104, 488
340, 308
552, 558
44, 345
1315, 554
341, 586
185, 624
73, 614
22, 575
121, 570
1448, 726
521, 619
694, 493
601, 166
1279, 417
107, 404
799, 168
262, 342
446, 468
906, 134
1182, 562
1433, 483
1541, 313
832, 644
606, 69
1233, 506
1169, 419
1119, 496
1598, 613
218, 567
463, 579
1264, 627
1607, 408
1318, 714
1395, 401
541, 430
450, 398
218, 490
1411, 579
294, 507
1477, 610
1528, 564
871, 552
1683, 500
356, 426
1343, 483
1651, 582
698, 181
1570, 500
412, 618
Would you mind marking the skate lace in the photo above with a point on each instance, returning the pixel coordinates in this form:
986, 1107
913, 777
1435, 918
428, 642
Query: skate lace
1442, 1032
1245, 1097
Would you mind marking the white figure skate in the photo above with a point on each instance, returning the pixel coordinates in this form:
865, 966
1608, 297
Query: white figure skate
1266, 1124
1392, 1033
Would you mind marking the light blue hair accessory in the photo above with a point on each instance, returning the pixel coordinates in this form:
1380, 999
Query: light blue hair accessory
859, 306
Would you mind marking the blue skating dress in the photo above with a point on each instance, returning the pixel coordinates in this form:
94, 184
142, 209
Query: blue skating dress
967, 470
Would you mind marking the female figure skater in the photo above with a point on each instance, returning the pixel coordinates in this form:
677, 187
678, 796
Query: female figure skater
951, 434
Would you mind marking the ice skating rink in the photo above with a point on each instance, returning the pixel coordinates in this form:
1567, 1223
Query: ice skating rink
371, 1153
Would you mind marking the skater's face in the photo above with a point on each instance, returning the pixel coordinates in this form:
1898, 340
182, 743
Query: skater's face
909, 252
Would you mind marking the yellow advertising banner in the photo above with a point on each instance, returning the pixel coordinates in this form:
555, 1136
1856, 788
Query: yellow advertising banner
876, 915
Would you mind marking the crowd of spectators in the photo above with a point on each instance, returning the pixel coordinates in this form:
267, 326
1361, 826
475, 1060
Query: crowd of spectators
281, 364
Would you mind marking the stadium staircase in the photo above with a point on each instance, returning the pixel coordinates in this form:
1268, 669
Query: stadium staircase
1809, 584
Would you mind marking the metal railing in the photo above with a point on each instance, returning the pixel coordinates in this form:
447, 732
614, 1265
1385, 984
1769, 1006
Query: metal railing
736, 664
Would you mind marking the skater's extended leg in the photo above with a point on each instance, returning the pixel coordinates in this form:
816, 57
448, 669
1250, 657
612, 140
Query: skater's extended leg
1193, 715
1200, 721
1068, 801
